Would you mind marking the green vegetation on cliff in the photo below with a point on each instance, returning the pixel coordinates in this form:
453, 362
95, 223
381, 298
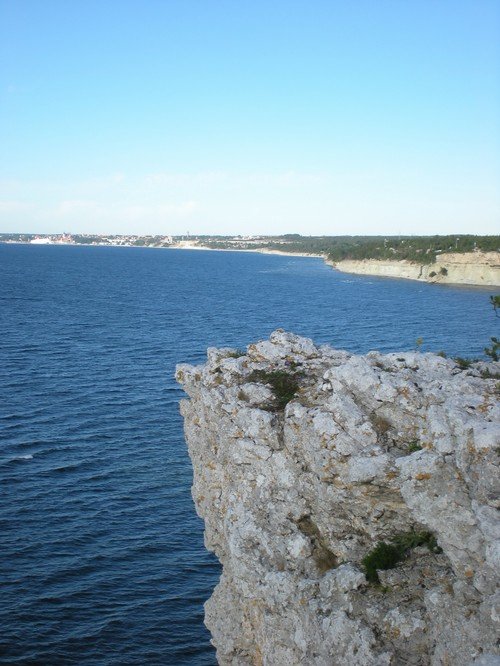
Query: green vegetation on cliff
421, 249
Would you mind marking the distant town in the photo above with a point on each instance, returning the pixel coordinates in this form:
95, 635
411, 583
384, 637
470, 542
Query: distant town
136, 241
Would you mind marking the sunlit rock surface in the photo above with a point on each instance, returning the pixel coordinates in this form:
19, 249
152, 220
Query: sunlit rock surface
480, 268
371, 447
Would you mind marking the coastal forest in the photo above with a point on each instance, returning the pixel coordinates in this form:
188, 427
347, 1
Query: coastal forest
421, 249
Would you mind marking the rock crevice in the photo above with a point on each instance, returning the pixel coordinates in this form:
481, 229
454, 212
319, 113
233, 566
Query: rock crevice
297, 489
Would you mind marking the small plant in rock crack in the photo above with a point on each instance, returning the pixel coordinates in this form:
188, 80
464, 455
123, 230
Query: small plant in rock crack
463, 363
494, 351
387, 555
284, 385
383, 556
487, 374
414, 446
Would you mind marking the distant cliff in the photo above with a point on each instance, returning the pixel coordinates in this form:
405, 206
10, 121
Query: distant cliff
305, 460
477, 268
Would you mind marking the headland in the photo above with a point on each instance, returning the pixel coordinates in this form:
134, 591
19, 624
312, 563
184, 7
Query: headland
352, 501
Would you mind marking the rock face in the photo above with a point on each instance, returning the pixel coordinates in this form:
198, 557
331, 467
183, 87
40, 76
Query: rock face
369, 449
478, 268
481, 268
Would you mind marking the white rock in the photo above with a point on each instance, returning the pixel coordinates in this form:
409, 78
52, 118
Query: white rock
294, 500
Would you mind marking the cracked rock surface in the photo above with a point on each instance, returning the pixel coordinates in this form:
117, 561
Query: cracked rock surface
367, 449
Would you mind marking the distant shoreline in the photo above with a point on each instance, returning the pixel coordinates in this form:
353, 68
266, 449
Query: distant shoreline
237, 249
475, 269
451, 268
171, 247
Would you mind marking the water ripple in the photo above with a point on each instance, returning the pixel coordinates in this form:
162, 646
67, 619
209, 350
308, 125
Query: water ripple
102, 552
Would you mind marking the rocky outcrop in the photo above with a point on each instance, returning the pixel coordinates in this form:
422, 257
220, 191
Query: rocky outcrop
407, 270
477, 268
480, 268
305, 458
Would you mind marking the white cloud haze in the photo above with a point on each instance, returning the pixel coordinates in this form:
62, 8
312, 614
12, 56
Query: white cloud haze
323, 203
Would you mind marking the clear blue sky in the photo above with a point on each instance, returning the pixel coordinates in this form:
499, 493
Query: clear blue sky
312, 117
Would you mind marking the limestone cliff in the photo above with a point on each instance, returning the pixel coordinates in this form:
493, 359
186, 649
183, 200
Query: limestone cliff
305, 458
477, 268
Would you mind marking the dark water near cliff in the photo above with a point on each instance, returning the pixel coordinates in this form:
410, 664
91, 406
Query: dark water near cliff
102, 559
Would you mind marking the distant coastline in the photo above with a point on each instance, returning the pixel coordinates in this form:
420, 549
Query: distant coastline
473, 268
476, 268
261, 250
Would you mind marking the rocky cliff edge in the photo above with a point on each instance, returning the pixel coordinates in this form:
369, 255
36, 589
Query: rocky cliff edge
305, 460
476, 268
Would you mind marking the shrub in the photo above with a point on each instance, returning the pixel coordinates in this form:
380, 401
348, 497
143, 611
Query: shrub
463, 363
383, 556
492, 351
284, 385
443, 270
414, 446
386, 555
408, 540
487, 374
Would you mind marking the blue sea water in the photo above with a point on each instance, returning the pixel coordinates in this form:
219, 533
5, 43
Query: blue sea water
102, 559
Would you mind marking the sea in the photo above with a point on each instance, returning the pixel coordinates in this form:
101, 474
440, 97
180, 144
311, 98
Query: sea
102, 559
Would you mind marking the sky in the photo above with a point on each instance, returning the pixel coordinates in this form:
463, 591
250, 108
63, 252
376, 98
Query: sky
263, 117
